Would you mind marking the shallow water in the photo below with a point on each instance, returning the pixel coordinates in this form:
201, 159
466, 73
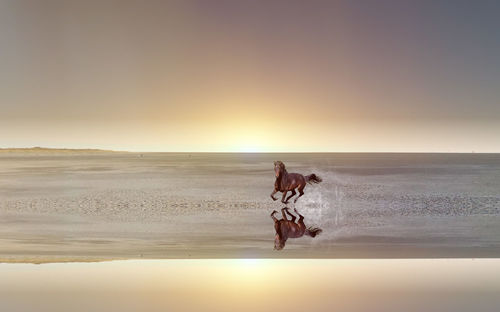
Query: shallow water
253, 285
168, 205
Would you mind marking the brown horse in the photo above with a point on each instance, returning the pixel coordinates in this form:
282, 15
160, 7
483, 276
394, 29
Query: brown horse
289, 181
289, 229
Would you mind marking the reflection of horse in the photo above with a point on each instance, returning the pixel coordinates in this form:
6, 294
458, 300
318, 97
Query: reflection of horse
289, 229
289, 181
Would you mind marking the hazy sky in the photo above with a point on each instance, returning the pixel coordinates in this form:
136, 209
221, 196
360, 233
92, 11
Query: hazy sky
251, 75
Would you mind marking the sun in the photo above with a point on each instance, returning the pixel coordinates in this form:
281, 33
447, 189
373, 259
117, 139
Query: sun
249, 139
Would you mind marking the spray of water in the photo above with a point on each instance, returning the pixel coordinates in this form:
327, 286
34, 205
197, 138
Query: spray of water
322, 204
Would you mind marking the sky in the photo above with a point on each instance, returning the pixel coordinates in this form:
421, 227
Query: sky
251, 76
292, 285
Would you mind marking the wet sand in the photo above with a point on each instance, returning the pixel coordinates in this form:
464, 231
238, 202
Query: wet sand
253, 285
89, 207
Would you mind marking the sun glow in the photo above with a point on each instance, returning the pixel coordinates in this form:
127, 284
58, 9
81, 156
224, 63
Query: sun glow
249, 285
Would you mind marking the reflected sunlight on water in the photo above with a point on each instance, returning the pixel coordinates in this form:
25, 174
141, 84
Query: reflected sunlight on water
253, 285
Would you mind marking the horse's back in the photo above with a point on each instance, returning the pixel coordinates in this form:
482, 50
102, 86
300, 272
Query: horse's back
296, 179
292, 230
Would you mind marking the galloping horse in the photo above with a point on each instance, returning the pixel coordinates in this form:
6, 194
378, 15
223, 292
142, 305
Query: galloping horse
289, 181
289, 229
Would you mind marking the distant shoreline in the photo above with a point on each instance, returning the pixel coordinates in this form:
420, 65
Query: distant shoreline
46, 150
50, 150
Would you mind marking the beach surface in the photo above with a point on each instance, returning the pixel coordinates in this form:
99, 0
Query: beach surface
92, 206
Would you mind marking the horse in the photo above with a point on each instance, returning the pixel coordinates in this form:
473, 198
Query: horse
289, 181
286, 229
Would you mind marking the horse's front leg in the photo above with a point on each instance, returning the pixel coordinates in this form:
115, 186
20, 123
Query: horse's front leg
273, 217
272, 194
283, 198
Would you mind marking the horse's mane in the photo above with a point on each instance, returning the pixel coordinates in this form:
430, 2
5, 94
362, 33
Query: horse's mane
282, 168
281, 165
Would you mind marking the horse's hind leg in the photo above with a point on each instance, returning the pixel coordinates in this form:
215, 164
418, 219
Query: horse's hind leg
301, 217
301, 191
291, 195
291, 215
301, 224
283, 198
283, 213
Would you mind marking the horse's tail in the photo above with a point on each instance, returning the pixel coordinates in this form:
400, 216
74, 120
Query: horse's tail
313, 231
312, 178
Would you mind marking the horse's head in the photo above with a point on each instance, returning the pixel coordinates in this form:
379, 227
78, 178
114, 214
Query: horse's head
279, 168
279, 243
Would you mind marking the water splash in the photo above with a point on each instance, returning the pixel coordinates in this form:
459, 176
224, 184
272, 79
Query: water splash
322, 204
